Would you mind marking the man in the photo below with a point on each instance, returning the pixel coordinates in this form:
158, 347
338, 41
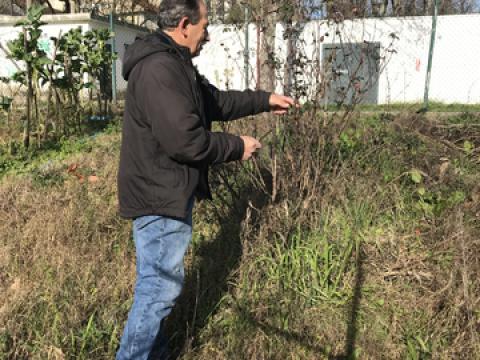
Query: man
167, 147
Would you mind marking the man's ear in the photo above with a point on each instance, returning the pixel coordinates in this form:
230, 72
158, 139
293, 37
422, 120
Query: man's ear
183, 24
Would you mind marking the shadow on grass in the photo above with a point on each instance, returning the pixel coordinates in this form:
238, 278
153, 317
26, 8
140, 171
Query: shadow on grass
352, 325
207, 283
305, 340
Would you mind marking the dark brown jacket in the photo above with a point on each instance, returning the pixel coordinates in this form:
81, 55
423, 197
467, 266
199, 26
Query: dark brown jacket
167, 142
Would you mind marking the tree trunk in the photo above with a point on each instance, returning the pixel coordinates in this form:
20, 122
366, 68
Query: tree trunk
410, 8
49, 110
99, 101
69, 95
266, 52
58, 113
267, 47
72, 6
396, 7
379, 8
288, 68
51, 91
427, 7
220, 10
37, 117
26, 128
447, 7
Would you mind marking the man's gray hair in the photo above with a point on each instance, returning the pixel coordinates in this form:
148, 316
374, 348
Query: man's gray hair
172, 11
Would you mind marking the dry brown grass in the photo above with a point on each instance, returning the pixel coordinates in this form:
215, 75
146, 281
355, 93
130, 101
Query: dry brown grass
66, 257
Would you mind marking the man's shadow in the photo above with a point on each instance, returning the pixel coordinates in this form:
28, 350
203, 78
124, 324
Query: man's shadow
308, 341
207, 282
352, 324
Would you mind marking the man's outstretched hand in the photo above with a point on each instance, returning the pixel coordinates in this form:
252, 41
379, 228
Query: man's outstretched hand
280, 104
250, 145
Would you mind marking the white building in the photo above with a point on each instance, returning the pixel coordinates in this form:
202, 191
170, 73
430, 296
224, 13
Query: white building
60, 24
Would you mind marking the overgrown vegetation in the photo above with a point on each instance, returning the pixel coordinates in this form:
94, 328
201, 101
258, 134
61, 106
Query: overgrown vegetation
351, 235
55, 80
352, 240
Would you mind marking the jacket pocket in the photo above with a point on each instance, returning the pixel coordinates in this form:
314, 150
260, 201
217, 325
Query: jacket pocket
164, 184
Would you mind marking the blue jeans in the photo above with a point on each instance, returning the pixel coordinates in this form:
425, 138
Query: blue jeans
161, 243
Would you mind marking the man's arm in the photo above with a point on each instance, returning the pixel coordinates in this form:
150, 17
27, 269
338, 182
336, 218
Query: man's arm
231, 105
175, 123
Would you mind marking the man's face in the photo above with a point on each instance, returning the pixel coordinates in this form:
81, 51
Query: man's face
198, 33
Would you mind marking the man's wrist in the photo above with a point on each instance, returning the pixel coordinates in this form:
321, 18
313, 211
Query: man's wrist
241, 148
266, 100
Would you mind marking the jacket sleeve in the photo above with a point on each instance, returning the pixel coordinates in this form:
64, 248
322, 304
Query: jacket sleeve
232, 104
175, 121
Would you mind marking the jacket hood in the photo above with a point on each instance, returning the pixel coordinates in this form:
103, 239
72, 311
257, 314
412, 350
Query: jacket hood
148, 45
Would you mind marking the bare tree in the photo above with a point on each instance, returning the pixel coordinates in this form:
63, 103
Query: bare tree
466, 6
381, 8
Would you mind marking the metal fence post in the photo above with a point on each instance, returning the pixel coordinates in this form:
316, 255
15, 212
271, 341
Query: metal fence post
430, 55
114, 62
246, 51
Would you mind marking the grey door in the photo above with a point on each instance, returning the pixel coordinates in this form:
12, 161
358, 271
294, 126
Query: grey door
351, 73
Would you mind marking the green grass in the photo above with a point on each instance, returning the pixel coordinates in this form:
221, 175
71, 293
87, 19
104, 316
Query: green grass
43, 161
312, 265
413, 107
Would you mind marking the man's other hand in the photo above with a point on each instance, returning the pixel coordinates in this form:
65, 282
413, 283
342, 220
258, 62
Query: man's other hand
280, 104
250, 145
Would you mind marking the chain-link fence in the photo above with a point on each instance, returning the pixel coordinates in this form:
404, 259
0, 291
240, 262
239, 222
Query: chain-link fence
224, 11
336, 59
344, 51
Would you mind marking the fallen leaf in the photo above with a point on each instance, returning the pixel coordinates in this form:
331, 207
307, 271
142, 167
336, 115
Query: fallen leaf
443, 168
72, 168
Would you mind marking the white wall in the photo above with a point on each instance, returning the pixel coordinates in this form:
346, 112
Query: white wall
455, 70
456, 66
222, 59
